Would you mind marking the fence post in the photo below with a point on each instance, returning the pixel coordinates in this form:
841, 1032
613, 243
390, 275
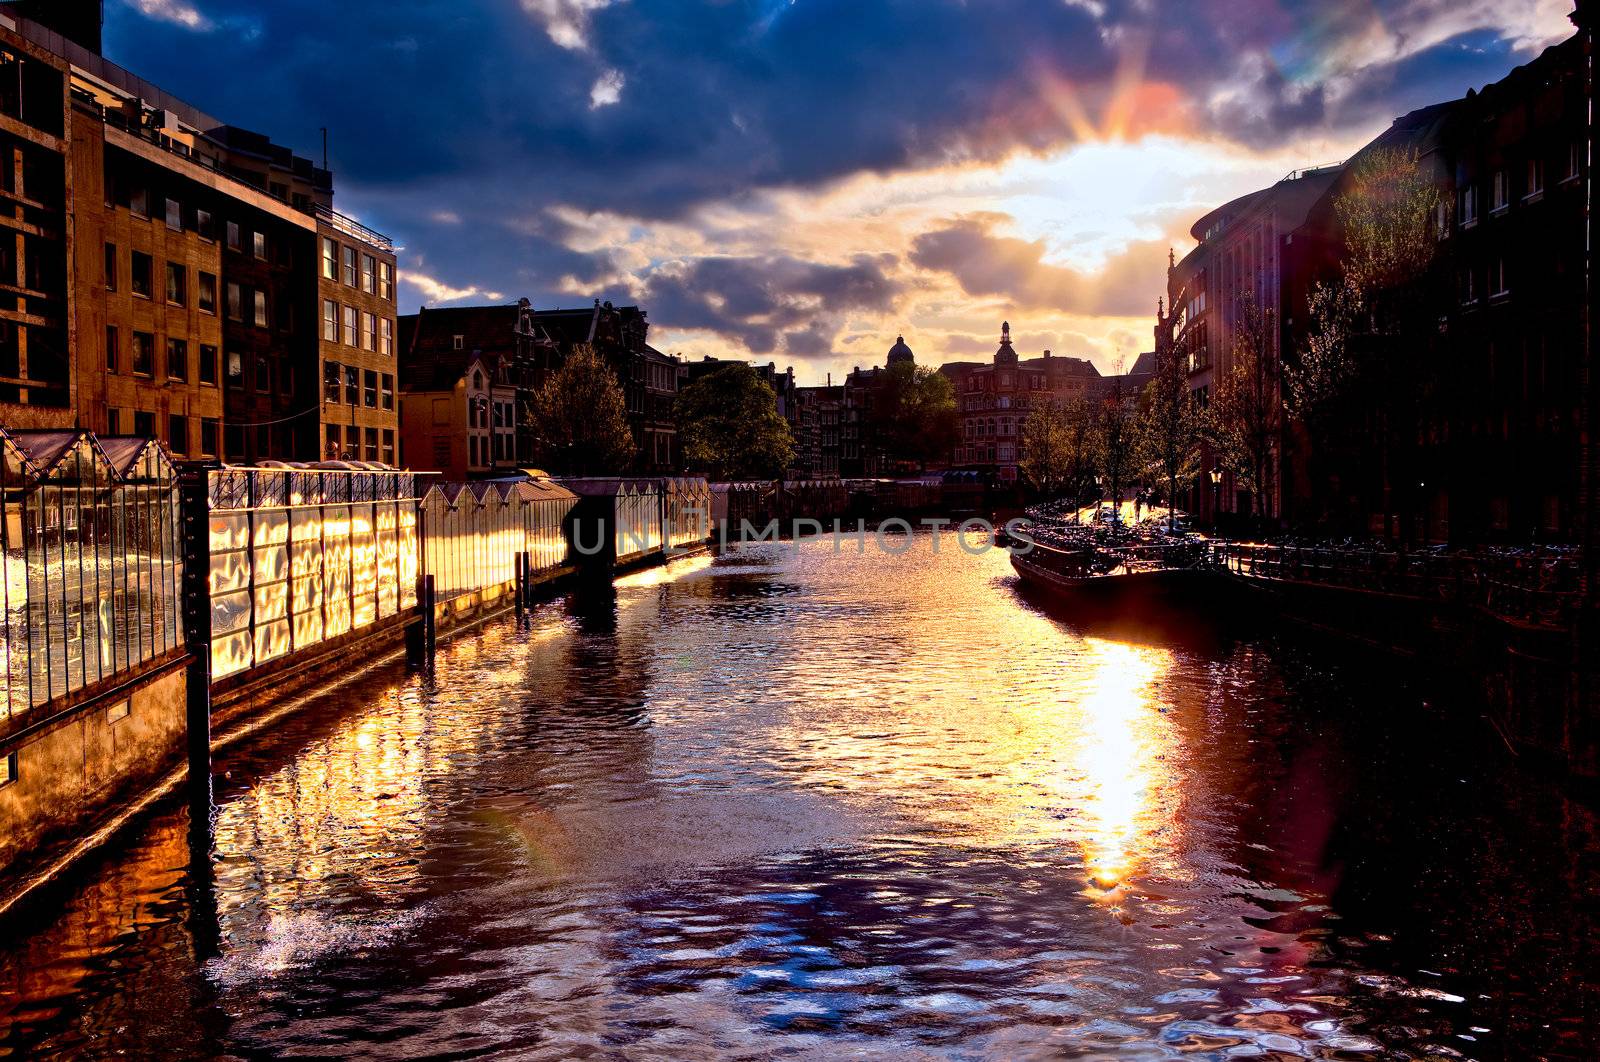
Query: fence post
429, 639
194, 504
195, 512
519, 581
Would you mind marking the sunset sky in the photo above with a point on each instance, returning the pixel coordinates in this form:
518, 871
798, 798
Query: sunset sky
801, 180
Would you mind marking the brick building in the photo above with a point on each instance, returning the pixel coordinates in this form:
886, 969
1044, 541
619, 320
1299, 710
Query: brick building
994, 400
166, 260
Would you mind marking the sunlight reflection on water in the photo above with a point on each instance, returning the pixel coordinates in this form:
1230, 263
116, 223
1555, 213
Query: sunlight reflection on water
798, 802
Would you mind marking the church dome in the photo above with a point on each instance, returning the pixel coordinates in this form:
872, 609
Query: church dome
900, 352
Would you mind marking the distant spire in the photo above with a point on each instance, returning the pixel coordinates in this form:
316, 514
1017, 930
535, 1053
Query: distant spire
1172, 259
1161, 307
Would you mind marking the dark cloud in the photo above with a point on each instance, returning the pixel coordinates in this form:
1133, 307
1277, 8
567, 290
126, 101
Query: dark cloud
758, 299
483, 108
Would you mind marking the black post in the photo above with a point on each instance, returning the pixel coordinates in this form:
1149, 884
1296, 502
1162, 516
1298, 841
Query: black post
429, 634
519, 583
195, 507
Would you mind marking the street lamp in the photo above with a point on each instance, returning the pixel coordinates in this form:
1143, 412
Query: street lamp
1216, 496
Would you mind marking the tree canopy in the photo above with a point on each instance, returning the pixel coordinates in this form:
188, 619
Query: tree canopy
579, 418
1170, 423
1058, 446
917, 413
729, 426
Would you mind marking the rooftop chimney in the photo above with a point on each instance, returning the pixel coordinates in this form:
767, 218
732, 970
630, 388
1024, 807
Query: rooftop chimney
80, 21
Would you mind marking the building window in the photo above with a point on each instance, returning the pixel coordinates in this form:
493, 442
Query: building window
1574, 160
144, 424
258, 245
1500, 193
139, 274
206, 296
178, 433
111, 348
388, 391
1535, 177
203, 225
386, 281
139, 202
369, 331
352, 385
208, 437
174, 215
388, 446
233, 235
111, 267
236, 371
350, 337
330, 259
372, 444
208, 364
458, 342
330, 382
371, 390
144, 354
263, 375
386, 337
330, 321
1469, 287
369, 274
330, 442
1469, 206
235, 302
177, 359
350, 266
261, 318
177, 277
1497, 278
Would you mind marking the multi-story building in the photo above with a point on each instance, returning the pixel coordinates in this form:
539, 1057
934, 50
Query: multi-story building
819, 416
165, 260
658, 437
1464, 420
356, 339
467, 377
1233, 287
994, 401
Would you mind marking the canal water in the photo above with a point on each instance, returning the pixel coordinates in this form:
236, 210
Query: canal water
809, 803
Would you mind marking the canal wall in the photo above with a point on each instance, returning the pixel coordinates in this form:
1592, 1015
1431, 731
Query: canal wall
68, 777
1536, 685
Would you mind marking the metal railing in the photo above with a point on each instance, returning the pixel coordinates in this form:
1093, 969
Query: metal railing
351, 227
1527, 586
91, 555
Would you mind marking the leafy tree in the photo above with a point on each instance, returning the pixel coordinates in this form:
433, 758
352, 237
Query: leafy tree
1246, 412
917, 413
729, 424
1325, 369
1372, 327
1057, 453
1385, 212
579, 418
1116, 439
1170, 423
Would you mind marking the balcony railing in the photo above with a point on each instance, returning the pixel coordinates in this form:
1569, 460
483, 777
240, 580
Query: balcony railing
351, 227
